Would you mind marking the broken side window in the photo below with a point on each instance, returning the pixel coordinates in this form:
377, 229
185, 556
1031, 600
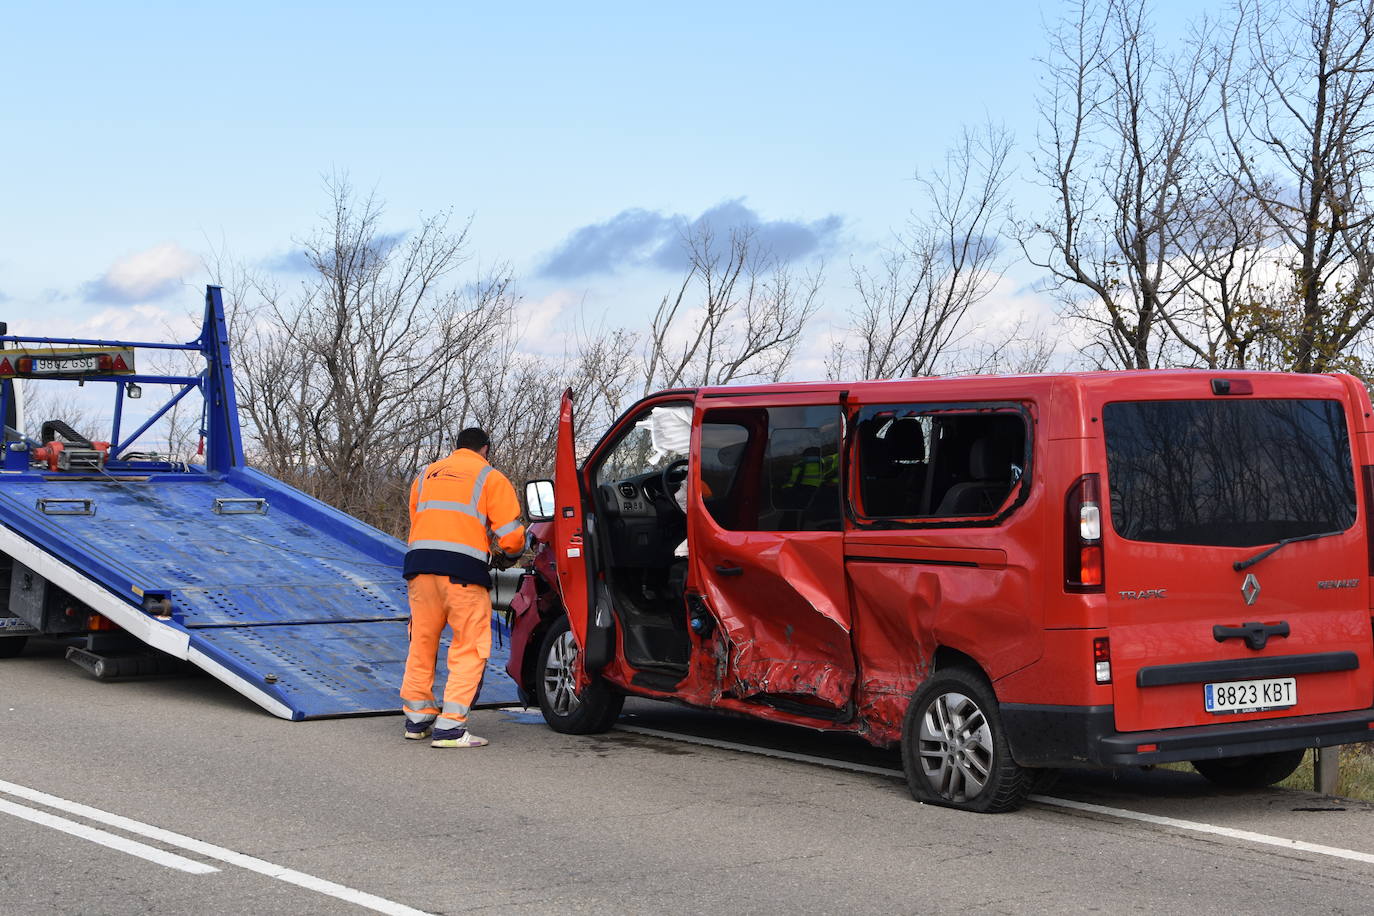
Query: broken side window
918, 463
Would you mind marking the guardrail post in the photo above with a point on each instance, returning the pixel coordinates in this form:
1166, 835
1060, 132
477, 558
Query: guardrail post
1326, 769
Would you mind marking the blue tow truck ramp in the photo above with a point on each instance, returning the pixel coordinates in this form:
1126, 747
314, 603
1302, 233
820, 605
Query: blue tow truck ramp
295, 605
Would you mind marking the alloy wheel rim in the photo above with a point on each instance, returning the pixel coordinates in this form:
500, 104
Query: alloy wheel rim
560, 678
955, 747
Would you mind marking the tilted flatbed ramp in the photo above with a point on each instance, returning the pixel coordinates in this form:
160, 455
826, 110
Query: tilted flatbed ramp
293, 604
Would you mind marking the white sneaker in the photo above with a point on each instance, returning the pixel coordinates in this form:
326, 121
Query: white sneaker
466, 739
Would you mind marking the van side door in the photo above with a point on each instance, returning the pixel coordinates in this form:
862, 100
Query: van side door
948, 532
767, 549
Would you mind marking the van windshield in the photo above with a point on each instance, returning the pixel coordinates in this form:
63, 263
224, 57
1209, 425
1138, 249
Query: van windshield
1228, 473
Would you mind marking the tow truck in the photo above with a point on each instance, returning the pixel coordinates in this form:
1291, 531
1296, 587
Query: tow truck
143, 563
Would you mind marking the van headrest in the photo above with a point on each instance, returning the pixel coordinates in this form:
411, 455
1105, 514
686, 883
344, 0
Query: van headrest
990, 458
906, 442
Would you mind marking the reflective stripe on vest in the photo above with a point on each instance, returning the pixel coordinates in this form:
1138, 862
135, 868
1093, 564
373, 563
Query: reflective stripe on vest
451, 547
507, 528
467, 508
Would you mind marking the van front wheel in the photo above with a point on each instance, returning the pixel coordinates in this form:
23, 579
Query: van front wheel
566, 709
954, 749
1252, 772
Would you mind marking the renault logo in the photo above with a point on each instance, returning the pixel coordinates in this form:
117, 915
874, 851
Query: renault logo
1250, 588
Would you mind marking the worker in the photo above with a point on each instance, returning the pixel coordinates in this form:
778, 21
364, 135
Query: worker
462, 512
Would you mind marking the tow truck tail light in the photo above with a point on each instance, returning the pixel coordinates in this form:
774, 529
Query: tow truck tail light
104, 362
1102, 660
6, 367
24, 364
1084, 571
119, 364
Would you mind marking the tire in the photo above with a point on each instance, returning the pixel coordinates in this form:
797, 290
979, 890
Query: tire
11, 646
954, 749
594, 710
1253, 772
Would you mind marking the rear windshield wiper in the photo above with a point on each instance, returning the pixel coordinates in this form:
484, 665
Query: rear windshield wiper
1246, 564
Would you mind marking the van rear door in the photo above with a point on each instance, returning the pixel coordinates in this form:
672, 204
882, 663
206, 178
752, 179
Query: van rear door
1236, 558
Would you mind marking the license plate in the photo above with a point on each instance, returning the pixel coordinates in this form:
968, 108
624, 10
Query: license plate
11, 626
69, 364
1250, 696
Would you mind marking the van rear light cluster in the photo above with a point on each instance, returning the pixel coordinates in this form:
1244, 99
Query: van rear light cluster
1083, 561
1102, 660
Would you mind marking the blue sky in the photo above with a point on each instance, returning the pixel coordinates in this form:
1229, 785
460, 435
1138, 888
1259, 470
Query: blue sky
137, 138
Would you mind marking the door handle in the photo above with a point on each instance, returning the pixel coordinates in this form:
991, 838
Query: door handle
726, 570
1256, 634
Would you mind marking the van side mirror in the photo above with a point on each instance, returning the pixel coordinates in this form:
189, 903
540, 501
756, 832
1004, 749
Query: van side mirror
539, 505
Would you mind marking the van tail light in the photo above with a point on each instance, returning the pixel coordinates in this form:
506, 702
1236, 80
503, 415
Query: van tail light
1368, 474
1102, 660
1084, 565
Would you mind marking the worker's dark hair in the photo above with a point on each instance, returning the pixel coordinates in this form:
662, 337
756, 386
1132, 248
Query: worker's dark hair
474, 438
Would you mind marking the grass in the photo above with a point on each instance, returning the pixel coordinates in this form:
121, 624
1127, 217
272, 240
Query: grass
1356, 773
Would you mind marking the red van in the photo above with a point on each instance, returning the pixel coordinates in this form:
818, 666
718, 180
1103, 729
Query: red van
1003, 574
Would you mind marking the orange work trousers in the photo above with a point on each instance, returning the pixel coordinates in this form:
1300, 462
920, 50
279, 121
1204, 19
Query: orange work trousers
466, 609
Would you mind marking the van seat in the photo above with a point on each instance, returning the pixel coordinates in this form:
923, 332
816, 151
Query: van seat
989, 462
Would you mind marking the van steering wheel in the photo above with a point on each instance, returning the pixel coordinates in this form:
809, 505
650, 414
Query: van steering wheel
669, 486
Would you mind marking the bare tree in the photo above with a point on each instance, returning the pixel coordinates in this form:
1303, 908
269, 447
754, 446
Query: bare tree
910, 313
47, 400
1298, 100
1231, 314
1023, 348
364, 373
1121, 122
737, 314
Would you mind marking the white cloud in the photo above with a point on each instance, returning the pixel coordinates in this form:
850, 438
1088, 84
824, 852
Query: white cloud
149, 274
140, 322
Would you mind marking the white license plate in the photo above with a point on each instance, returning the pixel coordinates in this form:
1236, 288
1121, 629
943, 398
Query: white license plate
1250, 696
70, 364
15, 624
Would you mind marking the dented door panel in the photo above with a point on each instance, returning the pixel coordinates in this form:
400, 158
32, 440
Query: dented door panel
785, 613
911, 599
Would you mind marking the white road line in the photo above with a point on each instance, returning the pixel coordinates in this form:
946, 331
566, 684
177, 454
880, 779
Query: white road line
1248, 836
210, 851
761, 751
1198, 827
113, 841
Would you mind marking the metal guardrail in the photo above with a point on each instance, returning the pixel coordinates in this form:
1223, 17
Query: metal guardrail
1326, 769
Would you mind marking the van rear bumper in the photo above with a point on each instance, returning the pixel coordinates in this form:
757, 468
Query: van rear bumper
1058, 736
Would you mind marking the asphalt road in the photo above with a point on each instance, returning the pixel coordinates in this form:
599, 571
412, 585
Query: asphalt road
339, 816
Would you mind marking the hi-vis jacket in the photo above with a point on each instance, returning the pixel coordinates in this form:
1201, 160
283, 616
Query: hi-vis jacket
456, 505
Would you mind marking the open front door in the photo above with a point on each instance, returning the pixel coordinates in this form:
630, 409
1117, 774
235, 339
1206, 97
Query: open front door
568, 525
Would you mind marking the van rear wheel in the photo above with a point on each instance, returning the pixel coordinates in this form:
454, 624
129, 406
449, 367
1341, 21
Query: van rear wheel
1251, 772
566, 709
954, 749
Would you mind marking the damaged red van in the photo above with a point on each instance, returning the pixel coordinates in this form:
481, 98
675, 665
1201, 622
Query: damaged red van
1003, 574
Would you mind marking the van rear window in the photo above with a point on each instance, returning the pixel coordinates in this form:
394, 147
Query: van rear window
1228, 473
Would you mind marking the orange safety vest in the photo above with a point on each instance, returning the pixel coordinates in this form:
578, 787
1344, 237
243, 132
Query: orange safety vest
457, 504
